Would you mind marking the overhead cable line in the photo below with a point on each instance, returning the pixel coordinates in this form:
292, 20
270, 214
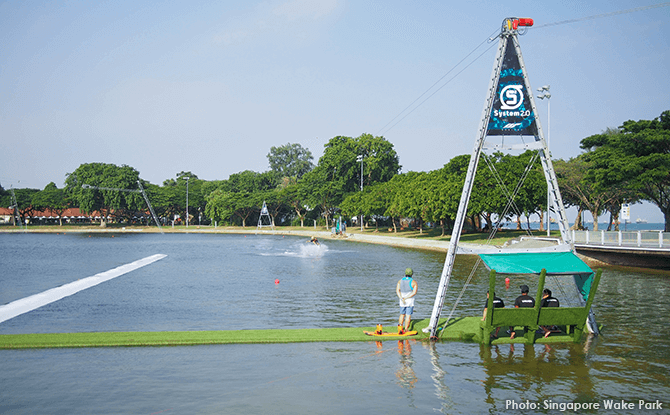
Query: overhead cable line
598, 16
487, 40
385, 130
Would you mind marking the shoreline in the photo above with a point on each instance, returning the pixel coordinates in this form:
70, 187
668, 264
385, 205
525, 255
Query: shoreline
423, 242
396, 240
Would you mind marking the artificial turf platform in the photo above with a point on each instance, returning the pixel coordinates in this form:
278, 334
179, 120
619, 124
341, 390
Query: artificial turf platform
459, 329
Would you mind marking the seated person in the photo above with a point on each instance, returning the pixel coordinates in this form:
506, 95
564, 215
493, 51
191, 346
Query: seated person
522, 301
548, 301
497, 303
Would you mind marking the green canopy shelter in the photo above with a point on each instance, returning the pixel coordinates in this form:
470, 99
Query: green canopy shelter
559, 265
555, 263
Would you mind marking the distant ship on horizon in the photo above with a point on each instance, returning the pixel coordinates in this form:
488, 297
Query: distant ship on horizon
638, 220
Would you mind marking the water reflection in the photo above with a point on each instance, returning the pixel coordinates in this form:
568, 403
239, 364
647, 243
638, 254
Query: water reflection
405, 374
537, 372
439, 378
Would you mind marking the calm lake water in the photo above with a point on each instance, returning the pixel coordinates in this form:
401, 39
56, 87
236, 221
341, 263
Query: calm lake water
213, 282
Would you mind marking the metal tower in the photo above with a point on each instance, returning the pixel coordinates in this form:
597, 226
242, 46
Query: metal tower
511, 114
265, 213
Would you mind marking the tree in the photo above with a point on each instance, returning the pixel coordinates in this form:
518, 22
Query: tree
323, 191
339, 171
373, 201
5, 197
181, 177
290, 160
167, 201
51, 198
446, 191
225, 206
241, 195
403, 203
423, 197
84, 187
24, 200
294, 196
487, 196
619, 195
569, 175
244, 205
274, 201
578, 190
574, 182
531, 196
637, 157
447, 188
172, 196
393, 187
354, 204
220, 205
250, 181
335, 175
380, 161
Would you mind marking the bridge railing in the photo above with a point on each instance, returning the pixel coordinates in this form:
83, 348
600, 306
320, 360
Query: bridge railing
642, 239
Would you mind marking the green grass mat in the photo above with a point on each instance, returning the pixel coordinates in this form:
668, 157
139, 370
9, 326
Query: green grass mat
459, 329
188, 338
177, 338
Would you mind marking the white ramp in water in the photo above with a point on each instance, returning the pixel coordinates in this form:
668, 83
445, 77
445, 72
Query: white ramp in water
32, 302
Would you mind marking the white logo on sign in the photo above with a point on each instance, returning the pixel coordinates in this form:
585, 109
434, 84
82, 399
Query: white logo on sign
511, 97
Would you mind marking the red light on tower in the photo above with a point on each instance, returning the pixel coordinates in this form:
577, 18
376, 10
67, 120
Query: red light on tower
516, 24
527, 22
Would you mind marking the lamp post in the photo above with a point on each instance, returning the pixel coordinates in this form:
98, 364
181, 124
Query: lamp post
544, 93
360, 158
330, 189
187, 200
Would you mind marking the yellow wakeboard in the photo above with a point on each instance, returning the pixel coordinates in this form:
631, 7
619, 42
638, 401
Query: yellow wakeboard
407, 333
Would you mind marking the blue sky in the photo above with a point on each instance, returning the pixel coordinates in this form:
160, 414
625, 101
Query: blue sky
209, 87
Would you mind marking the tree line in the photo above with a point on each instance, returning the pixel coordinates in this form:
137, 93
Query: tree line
628, 164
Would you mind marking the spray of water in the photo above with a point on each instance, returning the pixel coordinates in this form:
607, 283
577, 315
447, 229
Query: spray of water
309, 250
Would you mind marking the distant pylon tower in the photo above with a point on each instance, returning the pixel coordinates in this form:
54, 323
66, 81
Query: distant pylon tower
265, 214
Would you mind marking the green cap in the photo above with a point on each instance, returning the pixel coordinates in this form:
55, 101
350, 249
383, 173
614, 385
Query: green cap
409, 272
